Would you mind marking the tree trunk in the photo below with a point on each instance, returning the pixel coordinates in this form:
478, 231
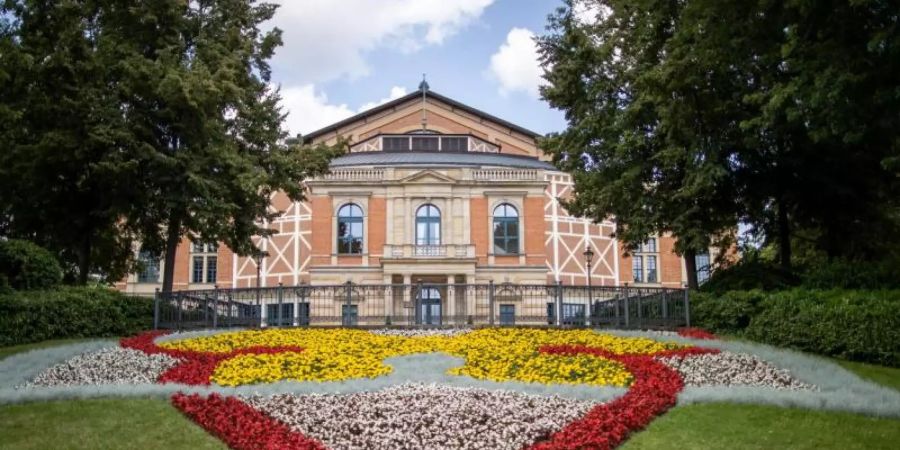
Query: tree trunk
173, 237
784, 237
84, 258
690, 266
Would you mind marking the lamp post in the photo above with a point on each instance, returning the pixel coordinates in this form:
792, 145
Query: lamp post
588, 257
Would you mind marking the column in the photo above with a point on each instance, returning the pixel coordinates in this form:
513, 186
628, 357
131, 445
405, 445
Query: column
451, 300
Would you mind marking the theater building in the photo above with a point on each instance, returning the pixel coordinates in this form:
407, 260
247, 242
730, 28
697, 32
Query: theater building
431, 190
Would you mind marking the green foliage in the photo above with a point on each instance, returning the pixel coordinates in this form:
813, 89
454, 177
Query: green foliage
70, 312
728, 313
851, 324
24, 265
755, 273
690, 116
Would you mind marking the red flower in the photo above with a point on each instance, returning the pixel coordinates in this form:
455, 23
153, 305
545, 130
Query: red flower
196, 368
696, 333
653, 392
239, 425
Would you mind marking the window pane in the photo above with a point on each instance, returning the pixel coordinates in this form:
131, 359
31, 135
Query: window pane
454, 144
425, 143
512, 245
150, 268
343, 246
637, 270
211, 269
356, 229
512, 229
356, 246
197, 272
650, 245
434, 233
394, 144
651, 269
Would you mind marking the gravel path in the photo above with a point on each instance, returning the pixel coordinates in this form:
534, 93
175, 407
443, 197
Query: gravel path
416, 416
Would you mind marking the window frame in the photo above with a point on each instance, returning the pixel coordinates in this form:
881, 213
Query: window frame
427, 220
149, 262
348, 239
505, 221
204, 262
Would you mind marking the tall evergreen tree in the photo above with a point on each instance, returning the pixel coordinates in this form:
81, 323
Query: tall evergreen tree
197, 97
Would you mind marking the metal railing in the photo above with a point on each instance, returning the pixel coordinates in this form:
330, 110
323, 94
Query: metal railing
424, 305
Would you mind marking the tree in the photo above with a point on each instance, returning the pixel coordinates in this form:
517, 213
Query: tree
694, 114
197, 97
639, 142
142, 122
66, 168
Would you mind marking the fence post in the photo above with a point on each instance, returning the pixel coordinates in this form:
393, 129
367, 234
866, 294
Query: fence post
491, 302
156, 309
178, 312
640, 312
687, 308
665, 305
279, 315
215, 306
347, 317
625, 311
559, 303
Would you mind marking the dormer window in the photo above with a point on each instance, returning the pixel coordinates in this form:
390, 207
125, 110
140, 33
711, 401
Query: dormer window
395, 144
426, 143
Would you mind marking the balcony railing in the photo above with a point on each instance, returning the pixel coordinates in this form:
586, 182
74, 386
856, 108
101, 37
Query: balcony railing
429, 251
355, 175
505, 175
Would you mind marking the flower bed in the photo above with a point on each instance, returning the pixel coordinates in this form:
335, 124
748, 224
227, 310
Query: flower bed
388, 414
423, 416
492, 354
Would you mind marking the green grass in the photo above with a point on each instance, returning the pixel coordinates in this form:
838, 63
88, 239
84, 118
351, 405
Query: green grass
12, 350
885, 376
735, 427
100, 424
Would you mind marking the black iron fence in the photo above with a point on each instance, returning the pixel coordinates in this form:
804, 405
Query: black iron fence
424, 305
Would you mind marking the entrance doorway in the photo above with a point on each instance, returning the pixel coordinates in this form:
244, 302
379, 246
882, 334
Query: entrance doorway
428, 310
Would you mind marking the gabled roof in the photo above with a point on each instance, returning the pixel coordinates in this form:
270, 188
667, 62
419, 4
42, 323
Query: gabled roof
417, 94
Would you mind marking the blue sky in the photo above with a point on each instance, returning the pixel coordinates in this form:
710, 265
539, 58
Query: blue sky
341, 56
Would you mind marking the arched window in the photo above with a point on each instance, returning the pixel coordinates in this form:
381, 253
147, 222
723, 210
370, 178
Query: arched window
428, 225
350, 229
506, 230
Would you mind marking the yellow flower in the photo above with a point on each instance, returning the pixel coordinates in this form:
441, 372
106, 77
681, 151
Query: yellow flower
499, 354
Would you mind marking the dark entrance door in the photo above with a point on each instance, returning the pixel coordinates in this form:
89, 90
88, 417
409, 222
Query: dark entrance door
428, 311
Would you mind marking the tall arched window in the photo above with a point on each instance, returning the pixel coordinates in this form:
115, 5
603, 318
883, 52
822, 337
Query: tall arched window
350, 229
428, 225
506, 230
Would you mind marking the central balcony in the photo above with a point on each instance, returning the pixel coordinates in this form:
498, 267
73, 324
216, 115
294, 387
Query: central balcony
411, 251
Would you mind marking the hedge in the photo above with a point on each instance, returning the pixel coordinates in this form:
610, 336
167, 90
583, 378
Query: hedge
25, 265
69, 312
854, 325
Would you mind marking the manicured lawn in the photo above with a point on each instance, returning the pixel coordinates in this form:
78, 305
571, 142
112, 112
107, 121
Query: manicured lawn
100, 423
733, 426
12, 350
886, 376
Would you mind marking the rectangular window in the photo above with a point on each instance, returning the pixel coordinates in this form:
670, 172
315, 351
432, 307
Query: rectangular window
507, 314
395, 144
197, 271
286, 317
454, 144
651, 269
573, 314
425, 144
211, 269
149, 268
349, 316
637, 269
703, 267
649, 246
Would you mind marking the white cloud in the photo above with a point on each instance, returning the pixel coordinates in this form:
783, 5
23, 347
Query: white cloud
327, 39
515, 65
308, 110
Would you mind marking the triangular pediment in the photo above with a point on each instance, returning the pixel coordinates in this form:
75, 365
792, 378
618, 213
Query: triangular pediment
428, 176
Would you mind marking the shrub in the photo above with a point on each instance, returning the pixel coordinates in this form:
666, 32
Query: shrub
751, 273
728, 313
31, 316
25, 265
850, 324
844, 274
